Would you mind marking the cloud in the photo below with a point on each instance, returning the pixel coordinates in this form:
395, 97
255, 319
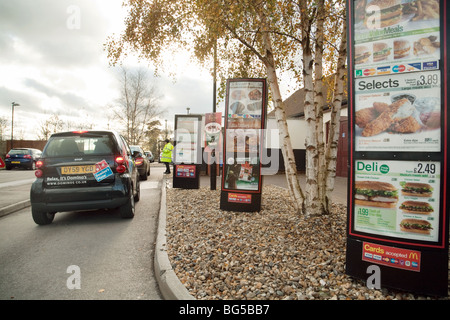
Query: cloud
26, 100
53, 62
63, 33
66, 98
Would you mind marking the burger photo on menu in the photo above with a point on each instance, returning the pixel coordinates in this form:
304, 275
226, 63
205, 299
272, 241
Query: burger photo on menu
416, 189
362, 54
416, 226
375, 194
381, 51
416, 207
383, 13
402, 49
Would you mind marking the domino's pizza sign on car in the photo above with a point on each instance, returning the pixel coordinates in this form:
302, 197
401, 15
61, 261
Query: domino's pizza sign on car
102, 171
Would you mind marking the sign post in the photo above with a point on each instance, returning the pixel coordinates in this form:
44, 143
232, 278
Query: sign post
398, 212
187, 153
213, 130
245, 112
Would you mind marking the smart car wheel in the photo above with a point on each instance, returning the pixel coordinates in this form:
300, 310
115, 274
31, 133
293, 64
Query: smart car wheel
127, 210
42, 217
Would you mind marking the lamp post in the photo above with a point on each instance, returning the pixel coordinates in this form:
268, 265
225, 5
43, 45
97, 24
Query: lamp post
14, 104
213, 179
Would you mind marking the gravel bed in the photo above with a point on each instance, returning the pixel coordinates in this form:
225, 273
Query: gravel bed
273, 254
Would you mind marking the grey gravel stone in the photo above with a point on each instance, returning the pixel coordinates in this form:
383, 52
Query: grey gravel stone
271, 254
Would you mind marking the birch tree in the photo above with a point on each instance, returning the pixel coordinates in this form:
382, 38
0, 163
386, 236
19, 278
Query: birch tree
253, 38
137, 105
52, 125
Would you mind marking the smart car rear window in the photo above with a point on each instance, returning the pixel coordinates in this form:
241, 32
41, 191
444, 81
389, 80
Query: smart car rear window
61, 146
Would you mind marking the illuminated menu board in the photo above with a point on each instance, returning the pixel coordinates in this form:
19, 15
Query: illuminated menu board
398, 168
246, 105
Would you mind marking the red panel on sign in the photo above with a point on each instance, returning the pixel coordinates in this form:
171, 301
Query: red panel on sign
185, 171
239, 198
391, 256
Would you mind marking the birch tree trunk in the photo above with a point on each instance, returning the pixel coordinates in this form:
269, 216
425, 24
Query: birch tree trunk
333, 139
312, 160
288, 153
319, 102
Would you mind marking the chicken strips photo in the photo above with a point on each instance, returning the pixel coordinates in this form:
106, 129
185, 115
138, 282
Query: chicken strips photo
407, 125
399, 110
364, 116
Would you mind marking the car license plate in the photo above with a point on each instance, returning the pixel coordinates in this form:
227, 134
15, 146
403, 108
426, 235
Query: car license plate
15, 162
78, 169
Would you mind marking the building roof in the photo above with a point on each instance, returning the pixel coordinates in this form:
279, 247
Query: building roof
295, 107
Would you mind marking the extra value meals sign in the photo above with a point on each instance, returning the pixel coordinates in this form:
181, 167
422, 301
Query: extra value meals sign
398, 212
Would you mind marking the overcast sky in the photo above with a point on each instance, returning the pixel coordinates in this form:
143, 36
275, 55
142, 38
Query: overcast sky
52, 62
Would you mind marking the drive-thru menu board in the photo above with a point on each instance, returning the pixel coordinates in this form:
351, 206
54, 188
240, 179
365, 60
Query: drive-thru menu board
398, 176
246, 104
187, 152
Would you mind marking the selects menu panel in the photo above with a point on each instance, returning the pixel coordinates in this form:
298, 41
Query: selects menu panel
398, 113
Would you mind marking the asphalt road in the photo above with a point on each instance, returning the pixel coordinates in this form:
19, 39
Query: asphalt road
82, 255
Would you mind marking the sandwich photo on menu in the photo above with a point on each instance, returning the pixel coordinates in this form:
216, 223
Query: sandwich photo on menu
375, 194
416, 226
416, 189
416, 207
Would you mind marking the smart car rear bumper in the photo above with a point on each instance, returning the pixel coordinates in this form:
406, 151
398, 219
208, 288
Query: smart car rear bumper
81, 198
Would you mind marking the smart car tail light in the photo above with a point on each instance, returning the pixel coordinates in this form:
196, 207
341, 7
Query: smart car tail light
39, 166
120, 160
38, 173
120, 168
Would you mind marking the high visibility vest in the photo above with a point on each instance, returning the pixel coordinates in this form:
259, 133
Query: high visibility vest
166, 155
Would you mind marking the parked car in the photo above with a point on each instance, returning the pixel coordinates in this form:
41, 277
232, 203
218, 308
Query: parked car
22, 158
149, 156
84, 170
142, 162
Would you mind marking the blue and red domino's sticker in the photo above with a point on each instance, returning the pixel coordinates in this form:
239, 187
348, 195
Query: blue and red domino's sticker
102, 171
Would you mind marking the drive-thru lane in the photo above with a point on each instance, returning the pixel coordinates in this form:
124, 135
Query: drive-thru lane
105, 256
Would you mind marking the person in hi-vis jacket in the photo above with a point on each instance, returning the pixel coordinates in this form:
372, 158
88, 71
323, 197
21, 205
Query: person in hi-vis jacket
166, 155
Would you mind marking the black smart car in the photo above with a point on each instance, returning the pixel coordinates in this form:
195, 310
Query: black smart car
22, 158
84, 170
